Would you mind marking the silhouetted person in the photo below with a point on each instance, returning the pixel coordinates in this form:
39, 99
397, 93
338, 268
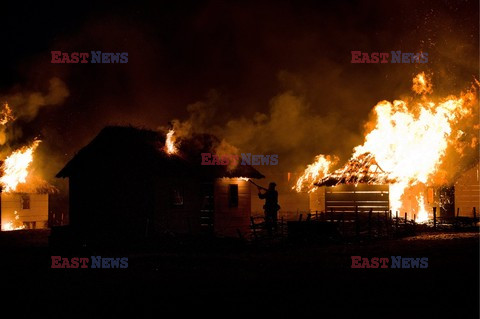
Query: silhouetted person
271, 206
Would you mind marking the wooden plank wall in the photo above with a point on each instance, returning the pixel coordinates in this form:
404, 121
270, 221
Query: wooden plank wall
38, 212
344, 198
229, 220
467, 192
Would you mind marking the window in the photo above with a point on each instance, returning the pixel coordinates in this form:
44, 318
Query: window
177, 196
25, 202
233, 195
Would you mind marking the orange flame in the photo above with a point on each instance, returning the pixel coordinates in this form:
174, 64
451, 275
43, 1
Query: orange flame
15, 167
422, 84
314, 172
170, 147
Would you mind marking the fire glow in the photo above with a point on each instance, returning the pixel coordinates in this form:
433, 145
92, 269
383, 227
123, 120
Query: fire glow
407, 144
15, 167
170, 147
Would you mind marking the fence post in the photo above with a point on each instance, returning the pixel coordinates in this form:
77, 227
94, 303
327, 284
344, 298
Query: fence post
396, 222
379, 227
254, 228
300, 217
370, 223
458, 211
357, 229
387, 231
434, 218
405, 218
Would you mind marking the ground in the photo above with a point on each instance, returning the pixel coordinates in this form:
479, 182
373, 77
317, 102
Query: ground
229, 279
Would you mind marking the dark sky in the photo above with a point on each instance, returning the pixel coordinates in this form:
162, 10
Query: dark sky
278, 68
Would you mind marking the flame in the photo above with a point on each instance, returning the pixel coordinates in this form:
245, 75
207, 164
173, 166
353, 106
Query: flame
6, 115
9, 226
408, 143
422, 215
314, 172
170, 147
422, 84
246, 179
15, 167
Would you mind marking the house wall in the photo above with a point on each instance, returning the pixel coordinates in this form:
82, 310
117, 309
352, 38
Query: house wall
345, 197
38, 211
317, 200
467, 192
109, 206
229, 220
177, 206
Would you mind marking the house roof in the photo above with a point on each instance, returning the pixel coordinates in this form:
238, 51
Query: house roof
363, 169
121, 148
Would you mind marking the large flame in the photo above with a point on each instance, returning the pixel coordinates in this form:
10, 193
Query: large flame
408, 142
15, 167
314, 172
170, 147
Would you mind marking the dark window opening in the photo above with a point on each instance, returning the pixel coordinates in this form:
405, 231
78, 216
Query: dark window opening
25, 202
233, 195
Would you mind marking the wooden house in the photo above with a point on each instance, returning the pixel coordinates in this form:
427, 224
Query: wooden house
123, 185
27, 207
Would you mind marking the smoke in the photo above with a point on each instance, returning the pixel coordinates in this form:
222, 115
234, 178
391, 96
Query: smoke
277, 75
19, 110
26, 105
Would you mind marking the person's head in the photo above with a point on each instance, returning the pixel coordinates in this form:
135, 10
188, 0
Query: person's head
271, 186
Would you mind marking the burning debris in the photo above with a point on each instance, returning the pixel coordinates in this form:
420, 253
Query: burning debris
405, 146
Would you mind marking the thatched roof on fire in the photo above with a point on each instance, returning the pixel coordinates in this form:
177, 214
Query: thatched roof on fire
122, 148
362, 169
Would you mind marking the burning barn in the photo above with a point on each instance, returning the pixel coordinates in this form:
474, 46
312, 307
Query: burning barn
134, 183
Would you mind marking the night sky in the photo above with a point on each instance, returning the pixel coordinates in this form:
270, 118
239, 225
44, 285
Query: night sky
270, 77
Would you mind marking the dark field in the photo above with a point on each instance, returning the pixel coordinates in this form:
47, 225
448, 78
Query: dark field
232, 279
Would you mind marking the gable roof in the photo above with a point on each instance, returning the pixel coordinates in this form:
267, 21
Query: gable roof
121, 148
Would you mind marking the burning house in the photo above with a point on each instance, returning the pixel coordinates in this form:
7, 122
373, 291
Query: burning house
24, 197
135, 183
400, 165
